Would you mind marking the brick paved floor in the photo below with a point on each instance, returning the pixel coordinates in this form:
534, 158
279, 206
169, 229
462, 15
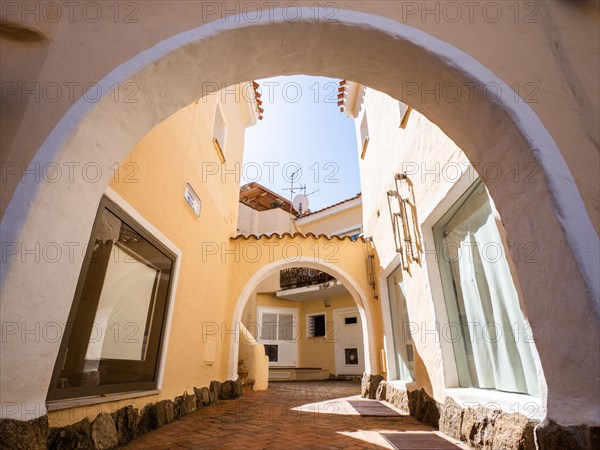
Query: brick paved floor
289, 415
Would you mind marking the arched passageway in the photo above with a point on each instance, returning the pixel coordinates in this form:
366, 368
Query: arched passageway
361, 296
491, 129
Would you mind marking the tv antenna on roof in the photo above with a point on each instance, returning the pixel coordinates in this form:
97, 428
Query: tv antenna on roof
299, 201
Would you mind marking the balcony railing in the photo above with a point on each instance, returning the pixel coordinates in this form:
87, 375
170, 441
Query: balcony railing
302, 276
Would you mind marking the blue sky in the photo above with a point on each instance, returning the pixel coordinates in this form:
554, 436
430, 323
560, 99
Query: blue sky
303, 128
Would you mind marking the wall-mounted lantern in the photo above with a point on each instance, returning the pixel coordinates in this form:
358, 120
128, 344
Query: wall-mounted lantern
405, 223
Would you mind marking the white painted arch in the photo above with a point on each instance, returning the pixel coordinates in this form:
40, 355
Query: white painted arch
313, 263
371, 50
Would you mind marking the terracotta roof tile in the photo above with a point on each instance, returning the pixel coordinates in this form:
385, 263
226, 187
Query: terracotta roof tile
293, 235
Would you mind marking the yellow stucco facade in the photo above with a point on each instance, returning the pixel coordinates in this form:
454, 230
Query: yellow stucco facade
180, 151
155, 172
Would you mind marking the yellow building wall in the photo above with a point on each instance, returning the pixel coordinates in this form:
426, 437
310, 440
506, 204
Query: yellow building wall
319, 352
152, 179
331, 221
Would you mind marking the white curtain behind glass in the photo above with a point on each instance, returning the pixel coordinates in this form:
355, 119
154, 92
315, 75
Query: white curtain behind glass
400, 327
502, 358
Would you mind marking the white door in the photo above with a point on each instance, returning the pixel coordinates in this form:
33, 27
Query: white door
278, 332
349, 344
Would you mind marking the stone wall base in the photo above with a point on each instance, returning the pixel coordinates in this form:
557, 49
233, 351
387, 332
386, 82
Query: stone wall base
369, 385
549, 435
487, 428
481, 427
110, 430
24, 435
415, 403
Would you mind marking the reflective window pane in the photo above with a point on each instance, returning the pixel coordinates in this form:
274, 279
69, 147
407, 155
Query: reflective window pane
286, 327
112, 341
268, 331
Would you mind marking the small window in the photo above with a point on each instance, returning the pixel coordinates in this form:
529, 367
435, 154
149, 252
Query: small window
404, 110
364, 135
277, 326
268, 330
278, 332
351, 320
272, 351
113, 339
220, 133
316, 325
351, 356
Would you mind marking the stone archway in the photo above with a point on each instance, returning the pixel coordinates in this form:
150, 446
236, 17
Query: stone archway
368, 49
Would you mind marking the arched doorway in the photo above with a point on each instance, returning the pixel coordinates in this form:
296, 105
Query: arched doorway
353, 287
490, 128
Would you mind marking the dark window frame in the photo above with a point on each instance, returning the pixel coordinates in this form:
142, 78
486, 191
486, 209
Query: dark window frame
157, 338
348, 352
322, 330
272, 352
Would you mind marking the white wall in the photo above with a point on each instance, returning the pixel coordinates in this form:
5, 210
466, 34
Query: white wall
275, 221
418, 150
247, 220
251, 221
434, 164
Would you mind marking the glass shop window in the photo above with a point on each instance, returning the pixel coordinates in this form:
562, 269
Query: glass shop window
493, 343
112, 342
